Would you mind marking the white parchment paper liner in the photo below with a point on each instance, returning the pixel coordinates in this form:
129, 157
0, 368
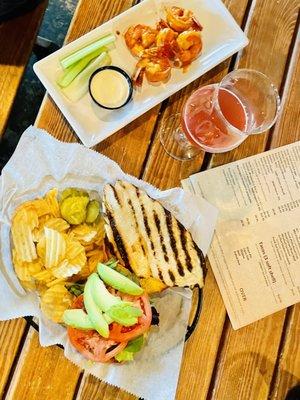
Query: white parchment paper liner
40, 163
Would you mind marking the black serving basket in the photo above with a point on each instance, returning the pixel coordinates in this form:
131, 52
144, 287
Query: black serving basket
194, 317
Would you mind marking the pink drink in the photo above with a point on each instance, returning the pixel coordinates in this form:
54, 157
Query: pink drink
204, 125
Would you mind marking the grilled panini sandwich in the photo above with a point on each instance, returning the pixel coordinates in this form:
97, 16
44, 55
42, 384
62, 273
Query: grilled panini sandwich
148, 239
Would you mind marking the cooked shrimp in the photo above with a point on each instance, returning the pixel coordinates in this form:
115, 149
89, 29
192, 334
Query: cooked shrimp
139, 37
154, 65
165, 36
188, 47
180, 19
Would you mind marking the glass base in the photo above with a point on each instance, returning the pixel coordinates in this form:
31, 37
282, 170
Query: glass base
174, 140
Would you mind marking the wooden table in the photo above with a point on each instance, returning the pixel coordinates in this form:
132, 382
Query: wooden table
260, 361
17, 37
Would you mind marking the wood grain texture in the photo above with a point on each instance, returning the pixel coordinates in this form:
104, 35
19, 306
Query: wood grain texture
247, 360
42, 373
128, 150
17, 37
288, 373
199, 355
93, 389
128, 147
10, 336
159, 162
263, 40
248, 357
288, 131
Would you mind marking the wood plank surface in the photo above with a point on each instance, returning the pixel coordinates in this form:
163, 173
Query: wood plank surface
11, 333
159, 167
288, 371
232, 380
42, 373
91, 388
51, 119
138, 151
248, 357
17, 37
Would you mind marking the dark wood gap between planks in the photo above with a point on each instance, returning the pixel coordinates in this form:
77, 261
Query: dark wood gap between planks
78, 385
288, 315
288, 69
222, 341
288, 66
80, 380
232, 65
162, 108
286, 324
16, 360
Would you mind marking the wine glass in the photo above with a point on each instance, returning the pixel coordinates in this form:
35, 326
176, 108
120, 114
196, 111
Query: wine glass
219, 117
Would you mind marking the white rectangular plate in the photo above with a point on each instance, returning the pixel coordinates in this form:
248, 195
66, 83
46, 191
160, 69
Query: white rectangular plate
222, 37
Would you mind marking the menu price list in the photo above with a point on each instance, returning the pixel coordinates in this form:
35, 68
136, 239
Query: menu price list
255, 253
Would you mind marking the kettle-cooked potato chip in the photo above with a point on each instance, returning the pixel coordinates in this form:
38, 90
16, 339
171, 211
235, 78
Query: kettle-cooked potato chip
48, 252
58, 224
65, 269
55, 247
26, 270
75, 250
55, 300
51, 198
84, 233
25, 220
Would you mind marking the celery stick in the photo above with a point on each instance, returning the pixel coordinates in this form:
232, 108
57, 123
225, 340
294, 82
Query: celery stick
70, 73
79, 54
80, 85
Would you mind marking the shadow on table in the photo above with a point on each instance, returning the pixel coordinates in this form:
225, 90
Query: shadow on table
18, 33
265, 376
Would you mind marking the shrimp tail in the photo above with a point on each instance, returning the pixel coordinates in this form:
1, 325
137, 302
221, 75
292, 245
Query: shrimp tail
162, 24
138, 76
196, 25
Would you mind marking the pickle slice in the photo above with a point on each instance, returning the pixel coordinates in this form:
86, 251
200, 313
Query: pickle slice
71, 192
93, 210
73, 209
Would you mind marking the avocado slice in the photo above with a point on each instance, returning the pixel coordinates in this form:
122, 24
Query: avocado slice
101, 295
94, 313
115, 309
118, 281
124, 313
77, 319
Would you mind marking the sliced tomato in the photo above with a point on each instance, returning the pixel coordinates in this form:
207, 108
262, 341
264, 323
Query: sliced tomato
120, 333
92, 345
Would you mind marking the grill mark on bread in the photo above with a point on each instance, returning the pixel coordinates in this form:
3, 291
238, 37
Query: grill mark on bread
110, 246
160, 275
158, 226
118, 239
116, 195
171, 275
173, 241
202, 259
136, 224
146, 222
160, 240
183, 238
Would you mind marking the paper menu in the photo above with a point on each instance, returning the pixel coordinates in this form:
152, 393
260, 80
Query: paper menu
255, 253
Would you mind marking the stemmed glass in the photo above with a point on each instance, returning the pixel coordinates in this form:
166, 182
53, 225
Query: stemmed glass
219, 117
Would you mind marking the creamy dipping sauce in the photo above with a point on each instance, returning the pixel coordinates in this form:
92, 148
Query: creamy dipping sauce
110, 88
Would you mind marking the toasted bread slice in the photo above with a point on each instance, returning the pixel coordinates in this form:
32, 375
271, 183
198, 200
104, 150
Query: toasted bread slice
148, 239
